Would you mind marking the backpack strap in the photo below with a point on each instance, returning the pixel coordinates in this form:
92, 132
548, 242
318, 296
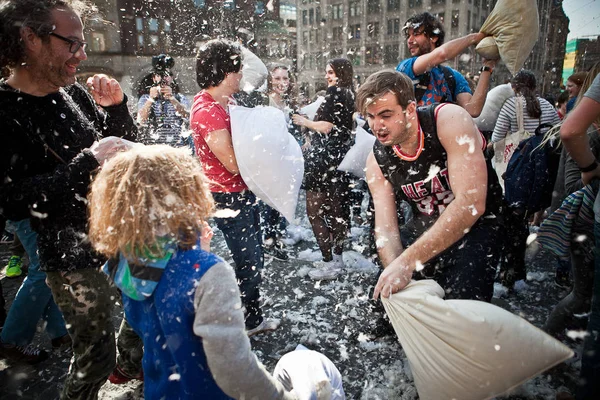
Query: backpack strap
451, 81
426, 116
422, 85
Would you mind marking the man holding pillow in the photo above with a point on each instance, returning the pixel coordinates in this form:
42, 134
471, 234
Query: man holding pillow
431, 157
436, 83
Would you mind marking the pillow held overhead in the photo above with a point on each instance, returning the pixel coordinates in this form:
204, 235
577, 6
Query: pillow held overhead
514, 25
467, 349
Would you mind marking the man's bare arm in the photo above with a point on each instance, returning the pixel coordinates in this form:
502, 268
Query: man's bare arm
221, 145
387, 232
467, 173
573, 134
445, 52
474, 103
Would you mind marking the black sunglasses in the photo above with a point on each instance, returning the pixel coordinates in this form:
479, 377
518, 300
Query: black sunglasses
75, 44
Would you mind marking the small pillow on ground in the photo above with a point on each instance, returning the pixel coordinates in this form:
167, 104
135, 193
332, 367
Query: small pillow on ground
514, 24
467, 349
355, 160
310, 375
268, 156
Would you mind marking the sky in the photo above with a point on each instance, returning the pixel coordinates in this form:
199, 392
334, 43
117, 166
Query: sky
584, 16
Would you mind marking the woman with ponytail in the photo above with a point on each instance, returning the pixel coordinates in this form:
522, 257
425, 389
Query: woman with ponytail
534, 111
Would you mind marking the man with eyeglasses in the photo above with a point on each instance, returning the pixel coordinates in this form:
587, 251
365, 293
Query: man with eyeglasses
435, 83
50, 149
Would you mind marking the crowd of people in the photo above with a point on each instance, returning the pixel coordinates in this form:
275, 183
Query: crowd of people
98, 199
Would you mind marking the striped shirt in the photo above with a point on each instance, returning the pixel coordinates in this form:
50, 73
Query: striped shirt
164, 122
507, 119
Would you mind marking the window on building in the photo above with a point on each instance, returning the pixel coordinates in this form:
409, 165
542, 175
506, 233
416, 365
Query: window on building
354, 32
139, 24
436, 2
415, 3
337, 33
468, 21
98, 42
337, 11
311, 16
373, 55
229, 4
476, 3
318, 14
354, 8
440, 17
373, 6
457, 1
455, 18
200, 3
305, 38
393, 5
304, 17
373, 29
391, 54
167, 25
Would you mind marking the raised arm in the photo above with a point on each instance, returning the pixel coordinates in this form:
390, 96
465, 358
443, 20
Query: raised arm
387, 232
474, 103
445, 52
468, 177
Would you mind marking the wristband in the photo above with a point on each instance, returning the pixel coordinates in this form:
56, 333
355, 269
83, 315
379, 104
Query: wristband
590, 167
486, 68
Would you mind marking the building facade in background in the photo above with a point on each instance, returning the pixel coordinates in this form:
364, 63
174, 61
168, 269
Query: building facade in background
302, 34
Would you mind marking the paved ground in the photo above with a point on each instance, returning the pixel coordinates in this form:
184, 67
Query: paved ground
332, 318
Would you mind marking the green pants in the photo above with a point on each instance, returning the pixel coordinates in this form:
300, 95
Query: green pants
86, 299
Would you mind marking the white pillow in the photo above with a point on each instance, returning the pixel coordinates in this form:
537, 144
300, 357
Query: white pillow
514, 24
254, 72
493, 104
467, 349
311, 109
268, 156
309, 375
355, 160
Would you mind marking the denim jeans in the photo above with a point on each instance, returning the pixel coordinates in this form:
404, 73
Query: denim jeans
34, 299
243, 238
590, 359
273, 223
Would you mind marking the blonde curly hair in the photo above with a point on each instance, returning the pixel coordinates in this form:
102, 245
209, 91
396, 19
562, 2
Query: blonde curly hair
144, 197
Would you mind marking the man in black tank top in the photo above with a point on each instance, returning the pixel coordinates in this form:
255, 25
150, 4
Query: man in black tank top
431, 157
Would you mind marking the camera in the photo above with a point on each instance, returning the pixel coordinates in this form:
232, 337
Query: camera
161, 64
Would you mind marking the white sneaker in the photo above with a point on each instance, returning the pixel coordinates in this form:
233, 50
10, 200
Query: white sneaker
327, 270
338, 260
267, 325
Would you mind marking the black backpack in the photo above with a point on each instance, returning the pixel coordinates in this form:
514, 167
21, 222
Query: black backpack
531, 173
421, 87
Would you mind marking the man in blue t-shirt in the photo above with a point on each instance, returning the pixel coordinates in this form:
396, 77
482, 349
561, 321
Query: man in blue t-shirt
435, 83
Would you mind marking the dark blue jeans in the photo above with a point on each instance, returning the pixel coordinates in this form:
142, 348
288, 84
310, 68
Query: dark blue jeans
273, 223
590, 359
242, 235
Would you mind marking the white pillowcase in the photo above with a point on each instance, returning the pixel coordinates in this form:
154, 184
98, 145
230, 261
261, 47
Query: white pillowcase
269, 158
467, 349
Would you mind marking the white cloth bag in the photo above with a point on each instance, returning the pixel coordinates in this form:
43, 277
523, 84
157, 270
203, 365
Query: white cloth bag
269, 158
309, 375
505, 148
467, 349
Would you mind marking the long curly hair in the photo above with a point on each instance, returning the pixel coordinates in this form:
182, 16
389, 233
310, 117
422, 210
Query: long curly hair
144, 197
